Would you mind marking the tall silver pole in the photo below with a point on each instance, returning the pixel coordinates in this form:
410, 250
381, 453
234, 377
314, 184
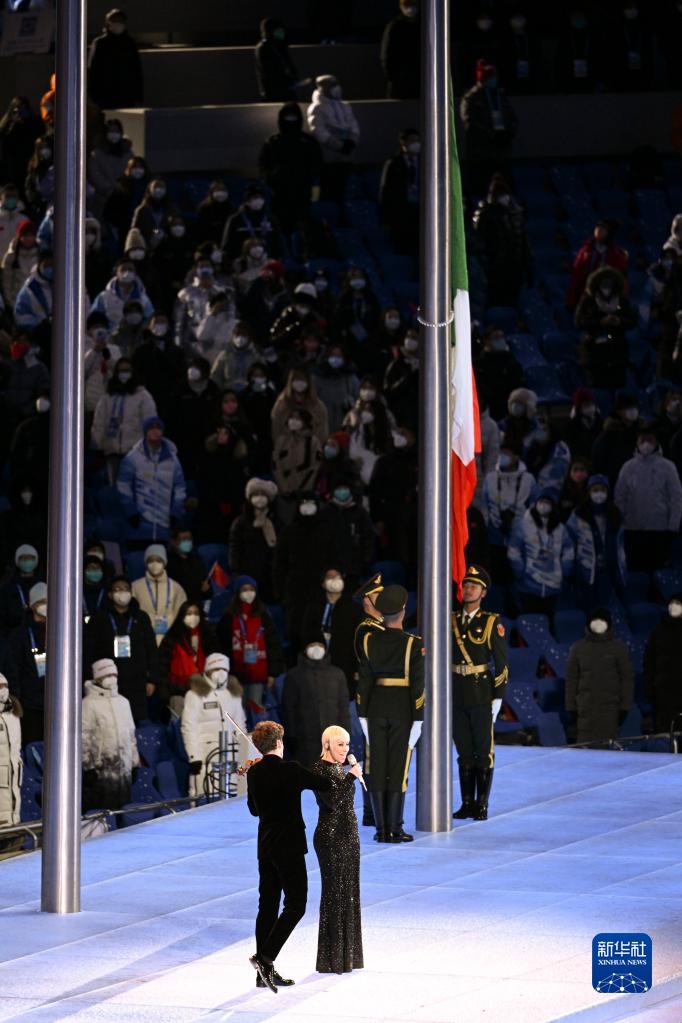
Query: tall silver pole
62, 785
434, 779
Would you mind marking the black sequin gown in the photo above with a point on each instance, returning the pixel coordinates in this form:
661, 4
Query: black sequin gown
337, 844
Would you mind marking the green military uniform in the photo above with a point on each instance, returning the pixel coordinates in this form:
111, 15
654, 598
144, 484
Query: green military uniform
477, 639
391, 697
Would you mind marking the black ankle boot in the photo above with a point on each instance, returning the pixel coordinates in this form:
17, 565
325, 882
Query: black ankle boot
484, 780
394, 817
377, 801
467, 785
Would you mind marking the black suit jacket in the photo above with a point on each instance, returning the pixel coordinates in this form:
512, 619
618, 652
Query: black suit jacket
274, 795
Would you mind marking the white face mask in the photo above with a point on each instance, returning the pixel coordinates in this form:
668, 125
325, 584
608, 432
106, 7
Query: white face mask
256, 252
41, 609
109, 682
308, 508
113, 137
336, 92
156, 567
543, 508
218, 678
366, 417
178, 230
316, 652
42, 405
137, 173
193, 374
358, 283
599, 626
5, 698
256, 204
121, 597
392, 322
160, 329
136, 254
411, 344
117, 28
631, 414
295, 425
599, 497
675, 609
259, 501
248, 596
219, 195
126, 276
414, 148
334, 585
399, 440
367, 393
646, 447
26, 497
191, 621
300, 386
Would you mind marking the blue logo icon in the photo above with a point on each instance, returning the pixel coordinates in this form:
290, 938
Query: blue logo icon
621, 963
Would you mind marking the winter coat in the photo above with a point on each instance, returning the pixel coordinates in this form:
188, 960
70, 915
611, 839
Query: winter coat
501, 239
338, 392
599, 544
227, 629
34, 302
113, 298
134, 672
231, 367
540, 560
613, 447
283, 408
290, 162
250, 554
504, 501
649, 493
109, 748
354, 538
276, 72
401, 57
315, 695
497, 375
20, 666
14, 599
190, 309
486, 458
16, 269
662, 682
9, 221
117, 424
106, 164
179, 661
295, 459
11, 765
604, 350
213, 332
339, 621
587, 260
599, 685
332, 122
24, 380
476, 110
190, 572
99, 369
160, 367
114, 71
152, 487
203, 719
246, 223
161, 598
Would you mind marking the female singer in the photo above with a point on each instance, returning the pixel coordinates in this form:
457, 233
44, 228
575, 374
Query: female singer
336, 841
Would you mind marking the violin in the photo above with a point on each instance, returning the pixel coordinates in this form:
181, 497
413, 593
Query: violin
243, 768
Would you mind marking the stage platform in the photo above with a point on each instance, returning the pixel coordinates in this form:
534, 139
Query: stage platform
492, 923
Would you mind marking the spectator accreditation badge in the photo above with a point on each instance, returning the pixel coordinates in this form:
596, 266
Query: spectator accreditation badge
621, 963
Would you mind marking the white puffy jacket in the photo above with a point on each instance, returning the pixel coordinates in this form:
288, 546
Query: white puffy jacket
11, 767
203, 719
117, 425
332, 122
109, 744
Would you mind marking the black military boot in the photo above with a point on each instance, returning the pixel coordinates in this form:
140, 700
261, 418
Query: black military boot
278, 979
467, 785
394, 815
377, 801
484, 780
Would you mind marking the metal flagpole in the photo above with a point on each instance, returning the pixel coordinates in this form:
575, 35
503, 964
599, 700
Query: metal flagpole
434, 750
62, 783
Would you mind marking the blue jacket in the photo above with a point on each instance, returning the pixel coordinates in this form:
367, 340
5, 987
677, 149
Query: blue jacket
540, 559
152, 487
599, 546
111, 301
34, 302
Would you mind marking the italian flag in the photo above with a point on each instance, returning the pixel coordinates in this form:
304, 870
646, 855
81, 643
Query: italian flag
466, 429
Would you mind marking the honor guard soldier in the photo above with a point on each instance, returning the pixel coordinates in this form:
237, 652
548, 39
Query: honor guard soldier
366, 594
391, 709
477, 692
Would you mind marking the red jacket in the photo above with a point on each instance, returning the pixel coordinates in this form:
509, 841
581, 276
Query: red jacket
588, 260
186, 662
249, 660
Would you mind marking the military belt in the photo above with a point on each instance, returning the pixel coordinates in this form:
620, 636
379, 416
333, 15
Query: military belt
469, 669
404, 682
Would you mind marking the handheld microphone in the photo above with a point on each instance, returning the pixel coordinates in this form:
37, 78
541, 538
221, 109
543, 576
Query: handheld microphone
352, 761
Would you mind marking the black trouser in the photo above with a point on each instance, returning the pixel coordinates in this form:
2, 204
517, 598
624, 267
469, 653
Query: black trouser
279, 873
647, 549
388, 754
472, 729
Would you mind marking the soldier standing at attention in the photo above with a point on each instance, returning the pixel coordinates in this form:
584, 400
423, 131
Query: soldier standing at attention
367, 594
477, 692
391, 709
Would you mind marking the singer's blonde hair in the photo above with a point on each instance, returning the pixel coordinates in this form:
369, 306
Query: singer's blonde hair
333, 732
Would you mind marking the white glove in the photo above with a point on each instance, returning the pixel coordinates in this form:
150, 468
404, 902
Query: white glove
496, 709
415, 732
365, 729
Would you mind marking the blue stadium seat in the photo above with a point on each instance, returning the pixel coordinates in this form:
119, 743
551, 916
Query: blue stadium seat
151, 742
560, 344
637, 587
644, 616
504, 317
526, 350
167, 780
668, 581
545, 381
534, 630
614, 204
212, 552
551, 694
556, 656
392, 572
600, 175
523, 665
278, 617
34, 760
134, 561
569, 625
325, 211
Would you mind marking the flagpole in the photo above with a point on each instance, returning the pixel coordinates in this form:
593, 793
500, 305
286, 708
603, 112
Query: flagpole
434, 751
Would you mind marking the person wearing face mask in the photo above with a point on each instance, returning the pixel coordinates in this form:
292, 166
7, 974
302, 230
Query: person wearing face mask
14, 593
541, 555
301, 315
498, 372
224, 466
337, 385
122, 632
266, 299
296, 455
596, 526
124, 286
315, 695
19, 128
18, 261
584, 423
25, 662
399, 193
120, 414
401, 382
159, 365
213, 211
357, 312
156, 593
333, 614
648, 493
257, 401
305, 549
114, 68
616, 442
401, 52
668, 419
107, 161
369, 426
151, 217
94, 587
501, 241
506, 493
290, 163
126, 196
231, 367
39, 183
151, 484
247, 631
383, 342
248, 265
520, 421
24, 521
186, 566
212, 696
276, 72
26, 377
661, 666
574, 491
11, 764
183, 653
599, 250
332, 122
192, 304
250, 220
217, 325
191, 416
300, 394
109, 745
354, 536
599, 681
129, 333
335, 466
605, 315
253, 535
30, 445
490, 126
33, 305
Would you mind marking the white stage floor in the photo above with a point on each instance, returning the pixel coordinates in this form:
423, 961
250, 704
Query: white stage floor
492, 923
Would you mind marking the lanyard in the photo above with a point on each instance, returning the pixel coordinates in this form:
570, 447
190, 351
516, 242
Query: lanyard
34, 645
155, 599
115, 627
326, 617
22, 598
100, 598
242, 629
